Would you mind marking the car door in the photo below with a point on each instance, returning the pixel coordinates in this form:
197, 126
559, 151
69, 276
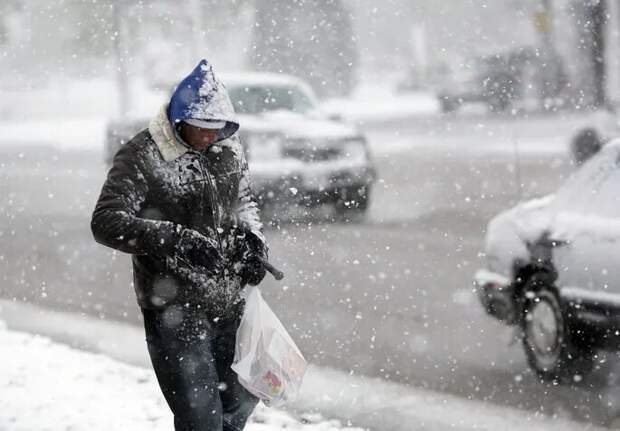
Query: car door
587, 227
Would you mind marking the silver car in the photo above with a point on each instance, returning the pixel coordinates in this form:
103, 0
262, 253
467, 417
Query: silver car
295, 152
552, 270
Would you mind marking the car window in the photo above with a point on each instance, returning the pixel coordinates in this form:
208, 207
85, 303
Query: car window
606, 200
581, 191
255, 99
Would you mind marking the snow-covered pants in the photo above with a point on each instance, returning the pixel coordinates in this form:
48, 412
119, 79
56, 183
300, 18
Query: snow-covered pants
192, 356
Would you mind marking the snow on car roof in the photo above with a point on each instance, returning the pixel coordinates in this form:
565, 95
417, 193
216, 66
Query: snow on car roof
261, 78
236, 79
615, 143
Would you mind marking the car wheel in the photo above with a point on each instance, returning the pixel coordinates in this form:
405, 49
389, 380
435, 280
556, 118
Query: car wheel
549, 347
352, 203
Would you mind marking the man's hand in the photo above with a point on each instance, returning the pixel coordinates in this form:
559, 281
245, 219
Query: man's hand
252, 271
196, 250
250, 250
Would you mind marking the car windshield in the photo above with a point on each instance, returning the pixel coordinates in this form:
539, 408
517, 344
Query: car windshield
577, 193
258, 99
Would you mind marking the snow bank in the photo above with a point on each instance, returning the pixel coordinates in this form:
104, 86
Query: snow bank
385, 143
369, 402
72, 98
85, 133
69, 114
49, 386
374, 102
382, 405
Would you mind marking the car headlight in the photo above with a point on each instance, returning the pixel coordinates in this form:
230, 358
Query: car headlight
355, 149
265, 146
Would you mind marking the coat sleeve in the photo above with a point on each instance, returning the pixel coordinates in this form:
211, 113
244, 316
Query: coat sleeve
116, 222
248, 213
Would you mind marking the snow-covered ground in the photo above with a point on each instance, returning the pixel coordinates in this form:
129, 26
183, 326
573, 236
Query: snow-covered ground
50, 386
74, 98
88, 133
46, 385
77, 133
378, 100
381, 102
69, 114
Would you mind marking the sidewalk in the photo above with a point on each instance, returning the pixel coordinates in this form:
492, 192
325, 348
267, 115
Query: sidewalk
47, 382
50, 386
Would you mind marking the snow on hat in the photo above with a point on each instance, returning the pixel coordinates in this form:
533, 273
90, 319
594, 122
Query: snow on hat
202, 96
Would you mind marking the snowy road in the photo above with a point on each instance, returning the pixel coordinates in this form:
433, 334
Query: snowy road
87, 391
388, 298
88, 385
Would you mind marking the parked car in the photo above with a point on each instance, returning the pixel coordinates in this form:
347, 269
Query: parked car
552, 270
295, 152
516, 78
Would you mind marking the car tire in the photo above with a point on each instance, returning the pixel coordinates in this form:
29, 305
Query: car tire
352, 203
551, 350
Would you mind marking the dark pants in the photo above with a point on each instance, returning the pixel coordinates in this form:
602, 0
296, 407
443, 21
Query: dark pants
191, 356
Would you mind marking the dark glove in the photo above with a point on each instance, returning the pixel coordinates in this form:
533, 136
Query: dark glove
198, 251
250, 251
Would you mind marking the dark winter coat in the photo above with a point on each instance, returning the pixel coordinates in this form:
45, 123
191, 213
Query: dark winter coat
158, 185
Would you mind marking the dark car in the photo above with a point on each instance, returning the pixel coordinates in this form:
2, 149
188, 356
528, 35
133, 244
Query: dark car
519, 77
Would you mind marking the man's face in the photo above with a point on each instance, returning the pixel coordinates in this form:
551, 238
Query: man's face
197, 137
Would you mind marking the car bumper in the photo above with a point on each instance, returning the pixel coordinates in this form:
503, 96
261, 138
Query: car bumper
285, 188
496, 294
319, 180
310, 184
594, 316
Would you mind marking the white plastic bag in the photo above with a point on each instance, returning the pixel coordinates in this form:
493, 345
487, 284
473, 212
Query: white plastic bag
267, 361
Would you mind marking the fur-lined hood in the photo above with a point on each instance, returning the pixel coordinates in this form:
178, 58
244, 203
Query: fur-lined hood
169, 144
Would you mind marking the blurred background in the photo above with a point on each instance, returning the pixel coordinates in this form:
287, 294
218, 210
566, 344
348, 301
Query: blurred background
335, 45
456, 111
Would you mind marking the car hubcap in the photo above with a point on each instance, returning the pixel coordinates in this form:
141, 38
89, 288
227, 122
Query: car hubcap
542, 327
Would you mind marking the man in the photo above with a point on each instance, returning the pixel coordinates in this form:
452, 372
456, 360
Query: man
178, 199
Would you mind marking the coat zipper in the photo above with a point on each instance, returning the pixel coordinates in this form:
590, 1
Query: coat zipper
214, 201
